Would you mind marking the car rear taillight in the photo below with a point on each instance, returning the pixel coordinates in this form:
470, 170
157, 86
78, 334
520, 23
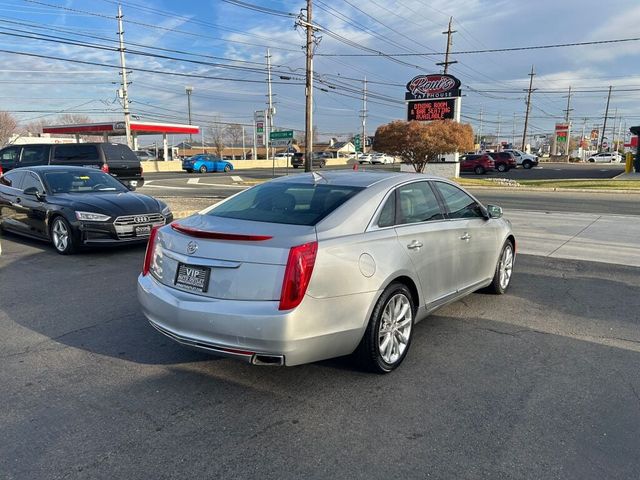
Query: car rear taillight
148, 255
141, 170
105, 168
297, 274
1, 172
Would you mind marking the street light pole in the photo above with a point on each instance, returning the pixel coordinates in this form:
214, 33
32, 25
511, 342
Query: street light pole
189, 91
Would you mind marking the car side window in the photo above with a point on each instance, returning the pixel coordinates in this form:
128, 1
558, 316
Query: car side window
458, 203
31, 180
417, 203
12, 153
34, 155
12, 179
388, 213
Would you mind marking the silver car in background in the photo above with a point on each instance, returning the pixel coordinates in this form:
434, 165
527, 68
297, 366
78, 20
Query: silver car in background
314, 266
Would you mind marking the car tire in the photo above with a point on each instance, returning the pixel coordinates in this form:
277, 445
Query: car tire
296, 166
527, 164
592, 160
502, 167
227, 168
189, 170
62, 236
504, 269
382, 352
479, 170
322, 164
203, 169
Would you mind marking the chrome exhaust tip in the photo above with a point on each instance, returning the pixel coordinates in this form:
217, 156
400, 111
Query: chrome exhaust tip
268, 360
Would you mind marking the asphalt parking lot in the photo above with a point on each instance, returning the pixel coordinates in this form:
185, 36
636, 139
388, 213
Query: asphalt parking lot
543, 382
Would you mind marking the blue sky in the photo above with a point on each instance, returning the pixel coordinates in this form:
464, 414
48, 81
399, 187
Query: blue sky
230, 43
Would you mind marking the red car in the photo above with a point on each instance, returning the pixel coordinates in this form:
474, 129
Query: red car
480, 163
504, 161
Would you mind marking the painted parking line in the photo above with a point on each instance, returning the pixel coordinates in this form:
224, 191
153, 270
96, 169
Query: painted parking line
193, 180
235, 178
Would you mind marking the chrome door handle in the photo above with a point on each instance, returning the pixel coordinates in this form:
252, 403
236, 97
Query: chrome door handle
466, 236
414, 245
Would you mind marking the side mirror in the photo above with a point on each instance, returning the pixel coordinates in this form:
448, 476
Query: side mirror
34, 192
494, 211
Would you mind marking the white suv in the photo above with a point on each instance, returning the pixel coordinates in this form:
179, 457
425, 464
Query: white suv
525, 160
612, 157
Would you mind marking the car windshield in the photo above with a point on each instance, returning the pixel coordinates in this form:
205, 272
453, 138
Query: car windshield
287, 203
81, 181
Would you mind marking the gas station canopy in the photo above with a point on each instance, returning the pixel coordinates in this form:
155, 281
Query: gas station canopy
118, 129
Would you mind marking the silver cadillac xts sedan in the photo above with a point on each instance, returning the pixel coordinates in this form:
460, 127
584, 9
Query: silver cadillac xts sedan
313, 266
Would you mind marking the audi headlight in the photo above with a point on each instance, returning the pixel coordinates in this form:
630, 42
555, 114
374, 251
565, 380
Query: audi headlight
166, 211
92, 217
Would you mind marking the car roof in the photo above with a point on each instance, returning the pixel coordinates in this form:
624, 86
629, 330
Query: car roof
48, 168
360, 178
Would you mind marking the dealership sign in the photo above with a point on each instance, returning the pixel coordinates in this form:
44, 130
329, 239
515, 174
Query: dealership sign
433, 109
436, 85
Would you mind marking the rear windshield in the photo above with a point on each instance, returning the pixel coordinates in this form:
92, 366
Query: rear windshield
288, 203
76, 153
118, 151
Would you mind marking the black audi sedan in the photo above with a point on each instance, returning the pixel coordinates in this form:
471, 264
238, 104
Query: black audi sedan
76, 206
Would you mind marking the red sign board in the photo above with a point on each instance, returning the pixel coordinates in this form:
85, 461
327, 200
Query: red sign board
432, 86
434, 109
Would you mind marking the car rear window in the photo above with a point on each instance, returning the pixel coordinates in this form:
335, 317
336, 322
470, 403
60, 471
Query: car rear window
287, 203
118, 151
75, 153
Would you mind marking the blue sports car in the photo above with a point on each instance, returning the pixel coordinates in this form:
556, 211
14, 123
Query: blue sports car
206, 163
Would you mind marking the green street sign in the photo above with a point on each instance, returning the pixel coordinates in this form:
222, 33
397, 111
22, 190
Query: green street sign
282, 135
561, 139
356, 143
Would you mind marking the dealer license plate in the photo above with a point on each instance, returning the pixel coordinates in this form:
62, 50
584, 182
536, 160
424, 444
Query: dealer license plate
193, 277
143, 231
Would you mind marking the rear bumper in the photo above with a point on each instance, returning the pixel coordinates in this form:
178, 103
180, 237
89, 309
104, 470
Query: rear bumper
318, 329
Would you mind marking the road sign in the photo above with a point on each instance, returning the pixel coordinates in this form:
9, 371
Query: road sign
281, 142
281, 135
258, 118
356, 143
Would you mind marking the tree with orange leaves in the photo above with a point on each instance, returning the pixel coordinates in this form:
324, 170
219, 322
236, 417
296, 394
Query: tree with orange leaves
418, 143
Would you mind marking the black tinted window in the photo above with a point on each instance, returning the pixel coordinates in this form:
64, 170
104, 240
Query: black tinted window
118, 151
11, 153
418, 203
35, 155
288, 203
12, 179
458, 203
76, 153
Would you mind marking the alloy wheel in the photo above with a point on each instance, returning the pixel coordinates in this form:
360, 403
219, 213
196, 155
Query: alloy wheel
394, 331
506, 266
60, 235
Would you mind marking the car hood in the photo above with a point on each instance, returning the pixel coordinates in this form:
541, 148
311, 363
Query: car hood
112, 204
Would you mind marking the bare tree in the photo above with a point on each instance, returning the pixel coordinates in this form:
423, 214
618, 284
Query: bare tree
217, 136
8, 125
234, 134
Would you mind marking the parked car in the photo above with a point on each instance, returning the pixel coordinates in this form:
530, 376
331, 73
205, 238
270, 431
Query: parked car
611, 157
115, 159
318, 160
479, 163
307, 267
75, 206
144, 155
504, 161
526, 160
382, 158
365, 158
206, 163
285, 155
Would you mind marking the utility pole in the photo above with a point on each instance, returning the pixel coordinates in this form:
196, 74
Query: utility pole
244, 148
125, 94
526, 117
446, 62
363, 116
584, 127
498, 134
269, 119
189, 91
480, 128
308, 111
566, 119
606, 114
513, 131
